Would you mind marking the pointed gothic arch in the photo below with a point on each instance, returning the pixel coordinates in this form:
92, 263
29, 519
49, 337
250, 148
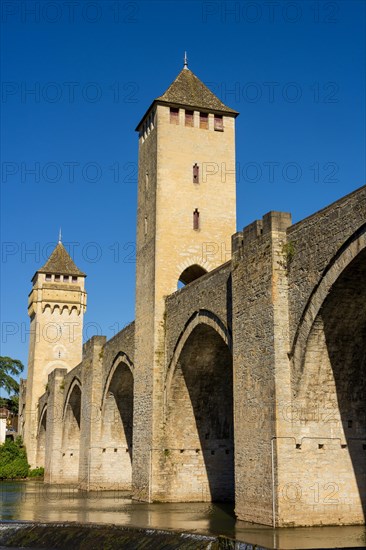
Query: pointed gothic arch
199, 455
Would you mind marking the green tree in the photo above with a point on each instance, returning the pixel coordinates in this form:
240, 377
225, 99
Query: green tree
8, 369
13, 460
10, 403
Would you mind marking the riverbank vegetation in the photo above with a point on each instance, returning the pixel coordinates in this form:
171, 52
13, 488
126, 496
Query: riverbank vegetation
13, 461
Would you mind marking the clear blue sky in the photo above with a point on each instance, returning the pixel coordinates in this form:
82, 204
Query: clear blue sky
295, 71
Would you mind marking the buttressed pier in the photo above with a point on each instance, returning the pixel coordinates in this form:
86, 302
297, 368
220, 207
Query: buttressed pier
246, 384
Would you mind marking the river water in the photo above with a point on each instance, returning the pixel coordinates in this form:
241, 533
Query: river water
34, 501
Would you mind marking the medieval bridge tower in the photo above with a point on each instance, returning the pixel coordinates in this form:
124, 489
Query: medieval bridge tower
56, 307
186, 204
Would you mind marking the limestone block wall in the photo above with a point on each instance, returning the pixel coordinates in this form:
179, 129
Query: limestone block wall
91, 396
144, 314
41, 430
261, 366
54, 427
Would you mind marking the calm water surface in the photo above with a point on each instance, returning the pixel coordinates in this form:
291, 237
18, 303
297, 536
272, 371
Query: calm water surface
34, 501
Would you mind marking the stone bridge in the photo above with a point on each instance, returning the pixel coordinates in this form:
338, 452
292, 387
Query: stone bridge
262, 396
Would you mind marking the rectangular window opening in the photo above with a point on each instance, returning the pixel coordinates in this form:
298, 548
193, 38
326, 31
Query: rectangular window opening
196, 173
48, 277
196, 220
74, 279
204, 121
218, 123
57, 277
189, 118
174, 115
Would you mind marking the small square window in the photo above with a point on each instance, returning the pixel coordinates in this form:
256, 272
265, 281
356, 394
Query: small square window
74, 279
48, 277
57, 277
66, 278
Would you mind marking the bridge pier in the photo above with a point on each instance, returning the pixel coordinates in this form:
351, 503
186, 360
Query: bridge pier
260, 361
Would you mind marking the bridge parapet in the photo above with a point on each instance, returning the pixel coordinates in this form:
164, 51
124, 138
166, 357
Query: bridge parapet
272, 221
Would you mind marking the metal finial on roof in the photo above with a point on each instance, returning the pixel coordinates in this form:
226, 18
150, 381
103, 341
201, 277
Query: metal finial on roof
185, 61
59, 236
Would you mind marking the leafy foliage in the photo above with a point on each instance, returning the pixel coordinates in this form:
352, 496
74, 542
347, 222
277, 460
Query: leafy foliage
36, 472
13, 460
8, 369
12, 403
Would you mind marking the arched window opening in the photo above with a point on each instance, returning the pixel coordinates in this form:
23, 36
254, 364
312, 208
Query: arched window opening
190, 274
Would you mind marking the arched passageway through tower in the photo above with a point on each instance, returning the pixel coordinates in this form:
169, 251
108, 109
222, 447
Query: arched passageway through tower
197, 463
190, 274
331, 398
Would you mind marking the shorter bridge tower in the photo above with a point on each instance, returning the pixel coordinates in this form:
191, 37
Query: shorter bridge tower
56, 307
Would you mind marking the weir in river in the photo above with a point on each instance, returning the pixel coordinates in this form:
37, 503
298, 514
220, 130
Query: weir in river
35, 502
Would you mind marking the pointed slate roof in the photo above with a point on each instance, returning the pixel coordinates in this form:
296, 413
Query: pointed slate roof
188, 91
60, 262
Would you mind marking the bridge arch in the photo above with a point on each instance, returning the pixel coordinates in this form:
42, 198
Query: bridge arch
71, 432
345, 255
330, 384
41, 437
198, 459
117, 424
201, 316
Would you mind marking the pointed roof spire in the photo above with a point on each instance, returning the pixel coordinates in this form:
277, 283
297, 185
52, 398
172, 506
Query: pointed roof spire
189, 91
60, 262
60, 236
185, 66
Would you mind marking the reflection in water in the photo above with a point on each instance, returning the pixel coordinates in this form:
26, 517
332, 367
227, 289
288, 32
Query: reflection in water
34, 501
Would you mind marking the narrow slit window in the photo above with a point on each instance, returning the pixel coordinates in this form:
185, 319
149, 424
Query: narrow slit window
189, 118
196, 220
204, 121
218, 123
196, 173
174, 115
147, 180
145, 225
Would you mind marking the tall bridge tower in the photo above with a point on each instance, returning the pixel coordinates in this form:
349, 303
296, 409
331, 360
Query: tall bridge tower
185, 218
